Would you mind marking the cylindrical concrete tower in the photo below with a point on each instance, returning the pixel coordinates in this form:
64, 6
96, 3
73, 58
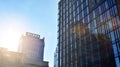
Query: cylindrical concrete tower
32, 46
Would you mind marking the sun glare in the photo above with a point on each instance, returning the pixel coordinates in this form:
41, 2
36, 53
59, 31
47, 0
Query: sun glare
10, 39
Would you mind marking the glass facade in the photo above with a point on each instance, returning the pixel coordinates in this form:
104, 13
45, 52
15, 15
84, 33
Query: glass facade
89, 33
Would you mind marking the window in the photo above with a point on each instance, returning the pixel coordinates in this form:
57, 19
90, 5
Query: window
77, 10
106, 5
96, 12
115, 50
115, 10
111, 2
117, 61
112, 36
97, 1
108, 14
93, 3
85, 11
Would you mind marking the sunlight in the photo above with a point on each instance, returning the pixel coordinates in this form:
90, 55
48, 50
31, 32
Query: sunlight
12, 26
10, 39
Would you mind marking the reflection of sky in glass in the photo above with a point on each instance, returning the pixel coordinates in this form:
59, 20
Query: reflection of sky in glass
36, 16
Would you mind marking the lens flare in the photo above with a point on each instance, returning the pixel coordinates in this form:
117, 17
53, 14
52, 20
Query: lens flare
10, 39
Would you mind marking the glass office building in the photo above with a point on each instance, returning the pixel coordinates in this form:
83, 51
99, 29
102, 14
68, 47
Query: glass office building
56, 58
89, 33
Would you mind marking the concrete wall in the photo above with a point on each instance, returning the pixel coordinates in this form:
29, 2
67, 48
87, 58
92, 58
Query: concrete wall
32, 46
15, 59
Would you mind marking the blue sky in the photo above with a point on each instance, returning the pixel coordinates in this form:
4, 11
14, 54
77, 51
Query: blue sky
36, 16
